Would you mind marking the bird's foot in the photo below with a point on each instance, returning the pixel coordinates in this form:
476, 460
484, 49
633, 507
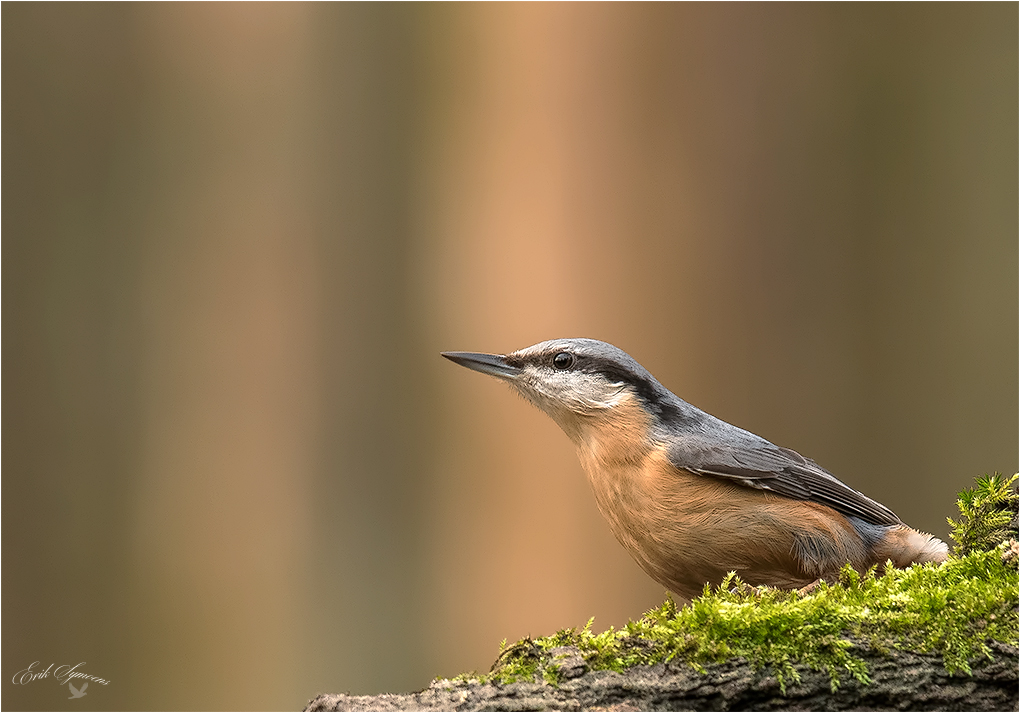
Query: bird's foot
808, 588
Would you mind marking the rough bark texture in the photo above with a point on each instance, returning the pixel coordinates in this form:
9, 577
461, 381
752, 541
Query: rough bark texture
900, 681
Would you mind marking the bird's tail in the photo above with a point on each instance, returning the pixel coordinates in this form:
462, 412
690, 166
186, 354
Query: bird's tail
905, 546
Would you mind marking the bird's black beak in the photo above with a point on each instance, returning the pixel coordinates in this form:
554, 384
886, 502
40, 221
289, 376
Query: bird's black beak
491, 364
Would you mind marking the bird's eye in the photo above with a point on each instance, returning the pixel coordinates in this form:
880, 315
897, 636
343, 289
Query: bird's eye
563, 360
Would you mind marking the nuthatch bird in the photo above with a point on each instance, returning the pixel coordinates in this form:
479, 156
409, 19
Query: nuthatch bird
692, 497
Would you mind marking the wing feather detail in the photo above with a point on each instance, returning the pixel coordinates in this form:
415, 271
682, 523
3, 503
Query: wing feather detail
762, 465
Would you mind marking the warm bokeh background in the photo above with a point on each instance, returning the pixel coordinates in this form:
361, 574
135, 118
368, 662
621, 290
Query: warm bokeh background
235, 237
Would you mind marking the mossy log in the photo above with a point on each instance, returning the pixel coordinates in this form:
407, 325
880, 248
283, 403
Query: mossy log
899, 681
931, 637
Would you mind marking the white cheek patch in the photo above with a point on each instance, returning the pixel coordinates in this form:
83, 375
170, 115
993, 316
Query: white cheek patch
616, 394
575, 391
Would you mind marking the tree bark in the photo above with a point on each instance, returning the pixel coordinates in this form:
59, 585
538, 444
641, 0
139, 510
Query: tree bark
899, 681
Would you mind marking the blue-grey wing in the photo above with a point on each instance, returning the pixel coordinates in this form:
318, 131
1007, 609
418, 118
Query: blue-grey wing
753, 462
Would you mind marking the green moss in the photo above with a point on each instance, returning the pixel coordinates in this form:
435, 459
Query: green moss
952, 609
988, 514
519, 662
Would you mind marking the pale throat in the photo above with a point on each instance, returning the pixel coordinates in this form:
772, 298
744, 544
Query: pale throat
612, 438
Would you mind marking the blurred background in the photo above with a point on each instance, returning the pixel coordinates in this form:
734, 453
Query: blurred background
236, 472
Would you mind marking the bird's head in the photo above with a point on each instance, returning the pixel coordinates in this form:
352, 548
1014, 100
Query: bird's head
581, 383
